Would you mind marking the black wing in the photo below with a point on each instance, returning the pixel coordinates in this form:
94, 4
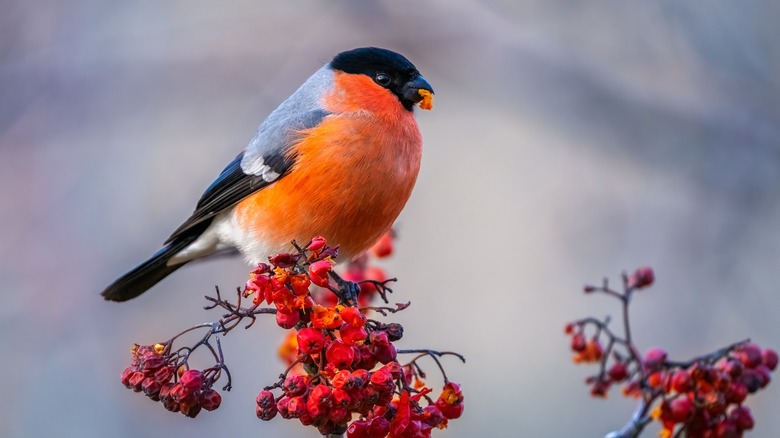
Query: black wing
271, 144
230, 187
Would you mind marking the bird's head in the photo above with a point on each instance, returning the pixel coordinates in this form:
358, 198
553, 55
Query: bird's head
388, 70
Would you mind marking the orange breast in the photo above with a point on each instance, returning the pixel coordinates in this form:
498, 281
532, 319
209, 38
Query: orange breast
352, 177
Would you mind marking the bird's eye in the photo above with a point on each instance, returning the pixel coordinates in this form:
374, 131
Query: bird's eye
382, 79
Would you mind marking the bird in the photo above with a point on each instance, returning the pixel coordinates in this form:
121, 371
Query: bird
338, 159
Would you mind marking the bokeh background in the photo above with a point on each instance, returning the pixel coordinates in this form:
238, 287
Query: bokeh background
570, 141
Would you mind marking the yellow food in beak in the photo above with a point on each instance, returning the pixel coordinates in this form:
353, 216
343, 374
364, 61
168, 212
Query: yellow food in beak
427, 99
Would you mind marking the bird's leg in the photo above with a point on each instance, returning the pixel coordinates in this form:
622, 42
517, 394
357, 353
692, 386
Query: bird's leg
347, 290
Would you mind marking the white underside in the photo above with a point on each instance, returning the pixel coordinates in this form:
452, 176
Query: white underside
224, 234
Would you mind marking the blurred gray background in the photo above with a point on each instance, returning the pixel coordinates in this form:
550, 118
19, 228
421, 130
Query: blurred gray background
569, 141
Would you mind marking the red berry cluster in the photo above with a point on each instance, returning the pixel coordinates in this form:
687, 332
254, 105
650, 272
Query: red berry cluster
370, 277
158, 373
344, 375
706, 398
373, 395
404, 417
702, 397
338, 349
296, 272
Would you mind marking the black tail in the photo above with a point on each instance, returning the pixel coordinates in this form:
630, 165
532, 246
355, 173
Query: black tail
147, 274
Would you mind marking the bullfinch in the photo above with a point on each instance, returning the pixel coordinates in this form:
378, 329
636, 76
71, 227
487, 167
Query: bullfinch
337, 159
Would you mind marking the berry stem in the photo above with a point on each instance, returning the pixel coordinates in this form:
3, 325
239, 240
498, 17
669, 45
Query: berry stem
435, 355
637, 423
383, 309
625, 301
708, 358
381, 287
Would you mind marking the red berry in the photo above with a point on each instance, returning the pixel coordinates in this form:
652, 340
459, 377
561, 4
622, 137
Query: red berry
339, 415
318, 272
750, 355
361, 377
306, 419
287, 320
600, 388
210, 399
742, 417
180, 393
284, 260
733, 368
136, 380
353, 274
168, 402
310, 340
379, 338
727, 429
764, 375
164, 375
382, 380
317, 243
450, 402
126, 375
352, 335
281, 407
192, 380
578, 342
151, 388
293, 385
395, 369
379, 427
265, 399
359, 429
261, 269
152, 362
593, 352
340, 354
296, 406
343, 379
752, 380
714, 403
642, 277
384, 354
165, 390
769, 358
321, 395
300, 284
618, 372
656, 379
654, 358
432, 416
355, 399
736, 393
413, 430
681, 381
394, 331
190, 410
369, 395
353, 316
325, 317
384, 246
340, 398
266, 414
680, 409
318, 404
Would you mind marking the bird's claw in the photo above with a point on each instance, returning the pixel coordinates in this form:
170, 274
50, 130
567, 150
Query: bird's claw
347, 290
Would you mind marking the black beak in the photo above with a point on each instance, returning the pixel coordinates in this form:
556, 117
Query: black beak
411, 88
